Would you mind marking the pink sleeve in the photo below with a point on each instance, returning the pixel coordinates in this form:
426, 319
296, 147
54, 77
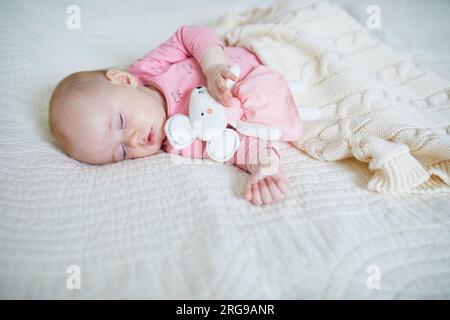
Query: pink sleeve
187, 41
246, 154
248, 151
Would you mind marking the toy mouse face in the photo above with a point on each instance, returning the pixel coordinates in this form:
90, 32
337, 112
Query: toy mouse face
207, 116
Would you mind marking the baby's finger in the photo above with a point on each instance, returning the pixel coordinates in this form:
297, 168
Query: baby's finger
220, 98
281, 184
248, 191
273, 188
224, 98
222, 86
256, 196
265, 193
213, 93
227, 74
228, 102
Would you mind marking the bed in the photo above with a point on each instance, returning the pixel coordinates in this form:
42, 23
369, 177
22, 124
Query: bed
157, 229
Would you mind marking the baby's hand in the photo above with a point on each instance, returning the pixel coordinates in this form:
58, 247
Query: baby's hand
264, 189
216, 77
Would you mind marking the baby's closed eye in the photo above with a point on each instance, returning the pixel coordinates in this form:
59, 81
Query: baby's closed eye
122, 121
122, 150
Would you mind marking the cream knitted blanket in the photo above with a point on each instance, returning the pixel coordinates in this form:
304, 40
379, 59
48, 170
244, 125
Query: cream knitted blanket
379, 106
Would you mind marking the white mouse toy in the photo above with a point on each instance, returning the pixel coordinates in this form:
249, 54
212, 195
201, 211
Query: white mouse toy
208, 120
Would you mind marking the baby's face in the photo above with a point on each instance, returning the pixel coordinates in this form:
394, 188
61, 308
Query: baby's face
123, 122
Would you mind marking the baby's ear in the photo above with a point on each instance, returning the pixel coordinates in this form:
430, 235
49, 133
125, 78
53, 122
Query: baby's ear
121, 77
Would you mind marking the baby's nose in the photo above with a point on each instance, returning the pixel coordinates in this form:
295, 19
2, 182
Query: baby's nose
133, 139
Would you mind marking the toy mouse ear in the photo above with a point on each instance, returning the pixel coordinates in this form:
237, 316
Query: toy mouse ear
223, 148
179, 131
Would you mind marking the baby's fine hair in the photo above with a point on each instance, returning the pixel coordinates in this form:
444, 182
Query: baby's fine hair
66, 94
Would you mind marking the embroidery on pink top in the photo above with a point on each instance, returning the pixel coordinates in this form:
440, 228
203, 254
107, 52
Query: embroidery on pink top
193, 47
189, 67
176, 95
235, 58
148, 67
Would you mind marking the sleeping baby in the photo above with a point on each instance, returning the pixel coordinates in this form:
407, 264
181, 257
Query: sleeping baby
104, 116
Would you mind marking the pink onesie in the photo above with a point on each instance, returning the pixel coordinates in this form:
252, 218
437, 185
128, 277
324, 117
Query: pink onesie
263, 94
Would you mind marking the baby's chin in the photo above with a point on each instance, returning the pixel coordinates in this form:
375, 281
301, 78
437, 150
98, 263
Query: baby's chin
157, 148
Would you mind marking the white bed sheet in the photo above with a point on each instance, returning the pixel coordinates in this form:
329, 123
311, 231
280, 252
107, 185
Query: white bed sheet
150, 228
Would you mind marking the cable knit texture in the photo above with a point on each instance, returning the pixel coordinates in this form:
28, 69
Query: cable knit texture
379, 106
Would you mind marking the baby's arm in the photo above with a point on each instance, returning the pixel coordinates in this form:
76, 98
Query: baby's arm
266, 183
198, 42
186, 42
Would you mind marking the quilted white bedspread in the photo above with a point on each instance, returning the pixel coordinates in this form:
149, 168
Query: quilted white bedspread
159, 229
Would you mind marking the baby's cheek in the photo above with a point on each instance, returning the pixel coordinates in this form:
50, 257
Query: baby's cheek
146, 151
